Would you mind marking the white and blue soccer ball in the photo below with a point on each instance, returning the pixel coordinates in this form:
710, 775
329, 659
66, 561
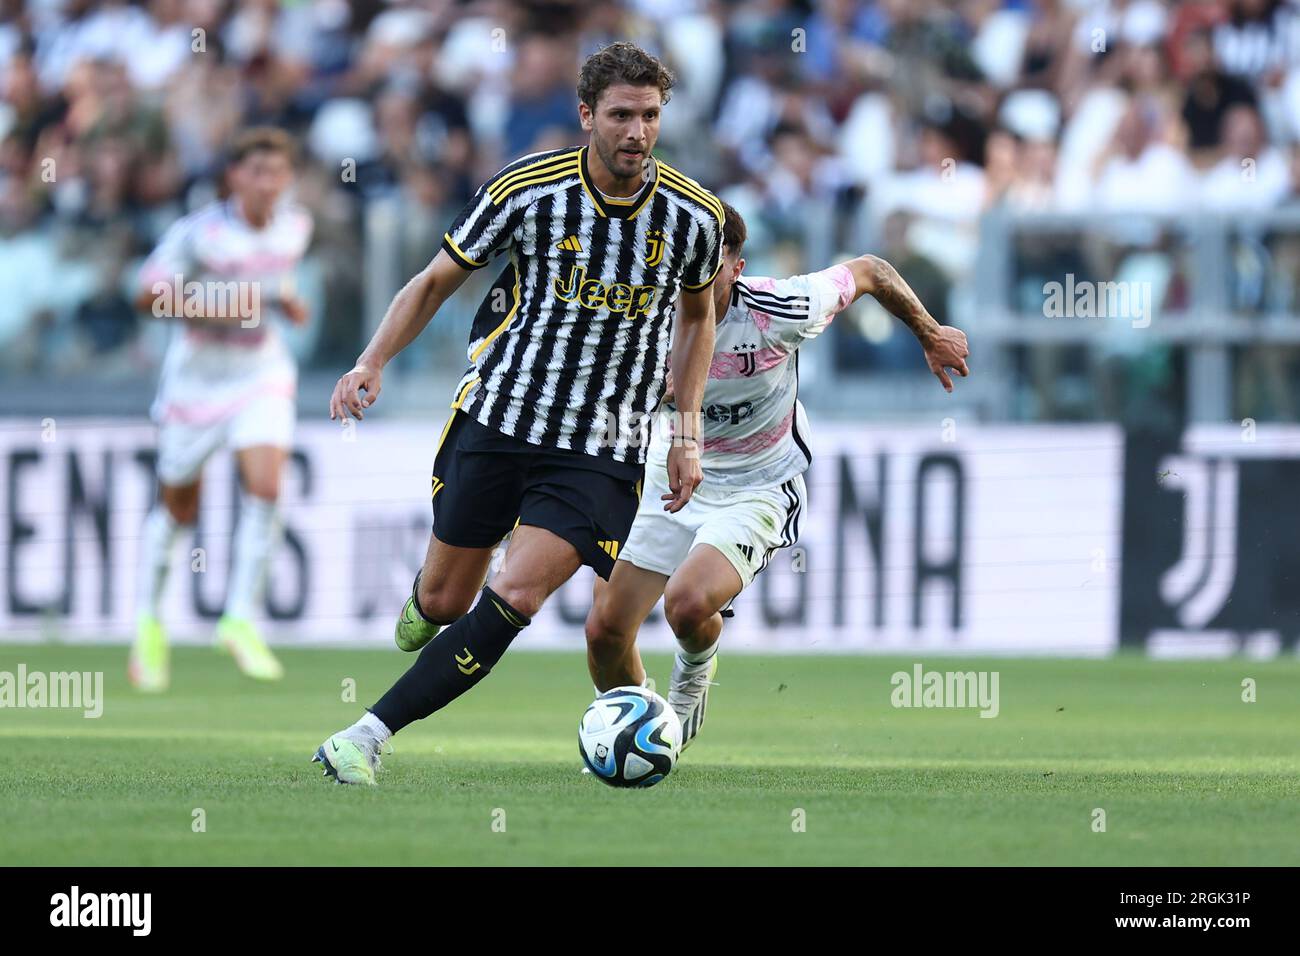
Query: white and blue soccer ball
630, 737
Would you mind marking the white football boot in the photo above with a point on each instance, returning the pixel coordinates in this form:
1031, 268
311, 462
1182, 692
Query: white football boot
688, 694
350, 756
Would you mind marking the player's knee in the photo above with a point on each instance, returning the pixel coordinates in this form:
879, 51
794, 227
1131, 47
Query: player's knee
184, 513
686, 609
604, 639
263, 488
183, 506
523, 598
441, 604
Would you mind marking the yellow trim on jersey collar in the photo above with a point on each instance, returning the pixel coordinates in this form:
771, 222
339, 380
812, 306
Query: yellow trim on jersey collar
697, 192
614, 209
547, 170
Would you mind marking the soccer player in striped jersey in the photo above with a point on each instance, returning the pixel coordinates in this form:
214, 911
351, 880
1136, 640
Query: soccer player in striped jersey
225, 275
755, 451
547, 427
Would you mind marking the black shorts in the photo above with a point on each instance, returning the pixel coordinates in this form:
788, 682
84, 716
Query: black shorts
485, 482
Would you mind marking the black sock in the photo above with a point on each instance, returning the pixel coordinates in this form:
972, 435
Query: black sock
453, 662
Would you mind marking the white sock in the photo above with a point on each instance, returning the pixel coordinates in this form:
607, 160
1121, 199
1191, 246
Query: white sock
700, 657
372, 727
256, 536
157, 538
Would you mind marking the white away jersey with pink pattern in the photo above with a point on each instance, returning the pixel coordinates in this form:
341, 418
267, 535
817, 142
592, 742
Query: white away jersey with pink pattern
209, 373
754, 428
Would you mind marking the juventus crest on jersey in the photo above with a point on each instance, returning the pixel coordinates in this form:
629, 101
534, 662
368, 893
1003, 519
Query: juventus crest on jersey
571, 344
754, 427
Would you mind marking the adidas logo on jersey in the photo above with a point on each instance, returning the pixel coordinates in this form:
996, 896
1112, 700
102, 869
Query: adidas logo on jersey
747, 550
569, 244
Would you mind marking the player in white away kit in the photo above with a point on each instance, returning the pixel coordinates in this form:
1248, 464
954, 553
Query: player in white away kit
754, 454
226, 271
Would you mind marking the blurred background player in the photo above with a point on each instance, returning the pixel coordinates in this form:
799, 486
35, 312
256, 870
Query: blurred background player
755, 452
226, 273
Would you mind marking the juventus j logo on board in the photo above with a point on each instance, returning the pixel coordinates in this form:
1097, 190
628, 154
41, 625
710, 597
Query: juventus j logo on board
1208, 559
1199, 584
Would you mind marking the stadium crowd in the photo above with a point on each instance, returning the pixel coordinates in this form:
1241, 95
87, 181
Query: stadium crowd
901, 122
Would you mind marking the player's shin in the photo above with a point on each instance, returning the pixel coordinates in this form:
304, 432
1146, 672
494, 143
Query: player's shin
460, 656
255, 538
148, 666
157, 541
613, 660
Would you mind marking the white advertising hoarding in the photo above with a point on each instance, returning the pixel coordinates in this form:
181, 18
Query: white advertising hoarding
964, 540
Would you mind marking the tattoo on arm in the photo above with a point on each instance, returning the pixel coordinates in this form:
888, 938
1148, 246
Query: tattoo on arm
891, 291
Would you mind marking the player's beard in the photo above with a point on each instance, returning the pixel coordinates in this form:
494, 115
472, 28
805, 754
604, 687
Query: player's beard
609, 155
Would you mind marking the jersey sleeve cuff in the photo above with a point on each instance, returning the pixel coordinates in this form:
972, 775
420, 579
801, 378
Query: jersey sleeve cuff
462, 260
706, 283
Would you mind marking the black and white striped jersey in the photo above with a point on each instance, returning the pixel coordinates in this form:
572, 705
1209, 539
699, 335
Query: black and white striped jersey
569, 349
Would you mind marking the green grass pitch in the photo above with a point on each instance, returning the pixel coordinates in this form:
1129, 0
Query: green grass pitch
1186, 772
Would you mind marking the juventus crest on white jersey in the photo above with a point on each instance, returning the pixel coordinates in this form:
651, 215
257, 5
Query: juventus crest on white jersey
755, 431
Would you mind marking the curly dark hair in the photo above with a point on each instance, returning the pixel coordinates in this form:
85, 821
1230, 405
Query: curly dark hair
622, 62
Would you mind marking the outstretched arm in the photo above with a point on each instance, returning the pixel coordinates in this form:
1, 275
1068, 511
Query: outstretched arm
945, 347
406, 318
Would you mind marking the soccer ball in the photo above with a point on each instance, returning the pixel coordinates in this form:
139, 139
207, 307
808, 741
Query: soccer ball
630, 737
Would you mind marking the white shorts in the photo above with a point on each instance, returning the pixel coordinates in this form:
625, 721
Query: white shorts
746, 526
183, 447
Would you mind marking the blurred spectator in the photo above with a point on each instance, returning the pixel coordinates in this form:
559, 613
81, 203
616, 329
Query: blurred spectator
1250, 175
543, 108
1210, 94
1139, 171
801, 175
833, 123
869, 337
944, 193
1257, 39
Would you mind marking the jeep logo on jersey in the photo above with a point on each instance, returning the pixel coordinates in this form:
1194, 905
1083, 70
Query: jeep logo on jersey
729, 414
635, 300
654, 247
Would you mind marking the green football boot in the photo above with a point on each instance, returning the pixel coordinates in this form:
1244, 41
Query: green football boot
148, 667
238, 636
349, 759
413, 631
